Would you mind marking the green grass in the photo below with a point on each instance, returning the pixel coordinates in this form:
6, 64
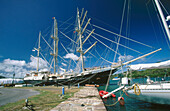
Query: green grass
46, 100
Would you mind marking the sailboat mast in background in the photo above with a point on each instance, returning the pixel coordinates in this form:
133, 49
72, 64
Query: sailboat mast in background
38, 52
163, 18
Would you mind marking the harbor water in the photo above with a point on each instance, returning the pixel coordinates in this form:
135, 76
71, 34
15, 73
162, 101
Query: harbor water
130, 103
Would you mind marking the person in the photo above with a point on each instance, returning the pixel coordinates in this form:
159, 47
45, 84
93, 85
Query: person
129, 82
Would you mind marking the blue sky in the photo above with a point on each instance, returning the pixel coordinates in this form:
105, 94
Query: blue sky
21, 21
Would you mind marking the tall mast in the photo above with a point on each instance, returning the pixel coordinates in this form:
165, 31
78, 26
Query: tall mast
80, 38
163, 18
55, 37
38, 51
80, 32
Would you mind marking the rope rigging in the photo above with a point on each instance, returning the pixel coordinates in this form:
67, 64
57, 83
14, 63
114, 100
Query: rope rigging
115, 42
164, 8
166, 37
121, 25
66, 21
67, 52
96, 50
107, 46
104, 44
68, 37
147, 7
121, 36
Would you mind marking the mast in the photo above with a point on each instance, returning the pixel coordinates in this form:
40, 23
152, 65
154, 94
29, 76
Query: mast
38, 51
80, 38
80, 32
55, 38
163, 18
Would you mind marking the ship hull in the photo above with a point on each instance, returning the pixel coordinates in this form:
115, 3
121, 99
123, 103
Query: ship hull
158, 93
98, 78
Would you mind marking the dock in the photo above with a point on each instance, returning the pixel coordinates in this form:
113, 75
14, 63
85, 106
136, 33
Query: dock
87, 99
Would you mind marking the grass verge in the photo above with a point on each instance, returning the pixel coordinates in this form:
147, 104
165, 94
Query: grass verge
48, 98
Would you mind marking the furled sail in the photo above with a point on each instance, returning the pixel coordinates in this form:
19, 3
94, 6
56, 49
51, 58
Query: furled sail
165, 64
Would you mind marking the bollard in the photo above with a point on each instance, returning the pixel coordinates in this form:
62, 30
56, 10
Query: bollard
57, 83
78, 85
68, 85
63, 90
26, 102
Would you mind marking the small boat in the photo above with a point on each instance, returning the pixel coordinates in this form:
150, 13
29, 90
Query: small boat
116, 78
158, 93
154, 92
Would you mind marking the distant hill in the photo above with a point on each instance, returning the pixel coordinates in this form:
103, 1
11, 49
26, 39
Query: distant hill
148, 72
152, 73
2, 77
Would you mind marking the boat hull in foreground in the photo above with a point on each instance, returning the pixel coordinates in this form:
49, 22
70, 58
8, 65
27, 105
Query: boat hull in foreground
155, 93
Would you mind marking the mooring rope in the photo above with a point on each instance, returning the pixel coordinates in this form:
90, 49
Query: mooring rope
113, 103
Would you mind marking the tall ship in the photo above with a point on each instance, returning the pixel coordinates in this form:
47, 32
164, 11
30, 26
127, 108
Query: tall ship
97, 60
82, 75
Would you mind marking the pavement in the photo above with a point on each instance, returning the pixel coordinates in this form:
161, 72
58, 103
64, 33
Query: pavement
10, 95
87, 99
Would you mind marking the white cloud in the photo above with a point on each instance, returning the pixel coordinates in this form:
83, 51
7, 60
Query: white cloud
2, 66
8, 70
85, 58
14, 62
45, 69
71, 50
64, 64
71, 56
8, 67
125, 58
142, 59
78, 67
89, 57
20, 71
62, 71
33, 63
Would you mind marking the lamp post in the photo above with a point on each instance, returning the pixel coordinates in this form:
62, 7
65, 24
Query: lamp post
13, 79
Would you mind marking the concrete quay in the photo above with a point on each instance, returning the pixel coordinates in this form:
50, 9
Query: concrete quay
87, 99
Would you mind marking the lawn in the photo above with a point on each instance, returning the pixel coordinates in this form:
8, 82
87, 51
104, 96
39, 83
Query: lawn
49, 97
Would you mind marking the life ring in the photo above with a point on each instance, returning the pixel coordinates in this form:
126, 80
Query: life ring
105, 92
102, 93
136, 89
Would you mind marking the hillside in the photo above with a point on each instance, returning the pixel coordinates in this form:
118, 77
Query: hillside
148, 72
1, 77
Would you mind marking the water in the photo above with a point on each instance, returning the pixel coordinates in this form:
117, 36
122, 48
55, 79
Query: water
131, 104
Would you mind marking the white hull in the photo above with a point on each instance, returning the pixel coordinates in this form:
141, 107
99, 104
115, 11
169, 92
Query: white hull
115, 79
155, 93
